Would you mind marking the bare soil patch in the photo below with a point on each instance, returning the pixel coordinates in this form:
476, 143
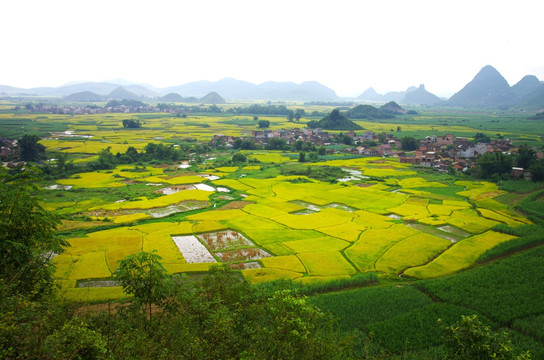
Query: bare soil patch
224, 240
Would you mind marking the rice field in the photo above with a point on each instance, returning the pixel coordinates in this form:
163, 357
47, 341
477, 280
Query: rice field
460, 256
293, 227
311, 230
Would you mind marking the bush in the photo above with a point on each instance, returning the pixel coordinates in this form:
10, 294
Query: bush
239, 158
470, 339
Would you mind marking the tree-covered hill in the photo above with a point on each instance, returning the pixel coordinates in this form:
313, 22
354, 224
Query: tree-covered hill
334, 121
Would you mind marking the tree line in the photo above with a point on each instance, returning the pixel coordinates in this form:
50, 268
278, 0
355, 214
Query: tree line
498, 166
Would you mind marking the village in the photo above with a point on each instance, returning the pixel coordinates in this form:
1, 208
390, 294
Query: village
442, 153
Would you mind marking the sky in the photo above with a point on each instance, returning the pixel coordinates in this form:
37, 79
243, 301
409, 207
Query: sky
346, 45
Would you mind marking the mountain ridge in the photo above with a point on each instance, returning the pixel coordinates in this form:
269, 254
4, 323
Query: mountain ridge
488, 89
229, 88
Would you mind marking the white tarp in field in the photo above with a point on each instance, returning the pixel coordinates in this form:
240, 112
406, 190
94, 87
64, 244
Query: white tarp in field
192, 250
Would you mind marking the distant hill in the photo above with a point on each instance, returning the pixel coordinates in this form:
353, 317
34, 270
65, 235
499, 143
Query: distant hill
488, 89
123, 94
312, 91
334, 121
132, 86
10, 90
370, 95
85, 96
397, 96
171, 98
367, 112
392, 108
526, 87
534, 101
230, 88
420, 96
100, 88
236, 89
191, 99
141, 91
212, 98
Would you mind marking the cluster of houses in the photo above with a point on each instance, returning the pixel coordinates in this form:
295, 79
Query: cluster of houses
8, 148
438, 152
262, 137
445, 152
9, 153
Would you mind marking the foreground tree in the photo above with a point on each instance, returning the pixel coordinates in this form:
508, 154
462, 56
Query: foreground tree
409, 143
526, 157
239, 158
28, 238
494, 164
263, 124
470, 339
142, 275
537, 171
131, 123
481, 138
31, 150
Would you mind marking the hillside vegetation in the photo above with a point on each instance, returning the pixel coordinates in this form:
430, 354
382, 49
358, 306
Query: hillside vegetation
335, 121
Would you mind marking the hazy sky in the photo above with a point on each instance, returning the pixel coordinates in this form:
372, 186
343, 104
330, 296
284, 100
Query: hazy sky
345, 45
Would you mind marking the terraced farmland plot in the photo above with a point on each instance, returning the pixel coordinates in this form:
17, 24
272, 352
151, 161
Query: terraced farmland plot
384, 172
207, 226
411, 251
503, 217
470, 221
232, 183
257, 276
324, 244
312, 221
288, 262
178, 180
366, 198
348, 231
374, 243
326, 264
245, 222
413, 208
91, 265
92, 180
166, 200
270, 157
460, 256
